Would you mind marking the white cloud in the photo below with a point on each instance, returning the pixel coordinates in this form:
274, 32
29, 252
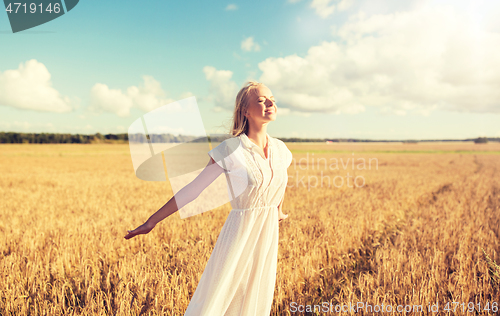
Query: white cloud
109, 100
149, 95
146, 97
344, 5
222, 89
29, 87
24, 126
231, 7
249, 45
325, 8
288, 112
434, 57
186, 95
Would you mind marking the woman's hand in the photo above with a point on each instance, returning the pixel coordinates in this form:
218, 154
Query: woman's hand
143, 229
281, 216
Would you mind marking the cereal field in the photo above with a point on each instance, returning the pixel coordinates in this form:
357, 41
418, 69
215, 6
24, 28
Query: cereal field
392, 224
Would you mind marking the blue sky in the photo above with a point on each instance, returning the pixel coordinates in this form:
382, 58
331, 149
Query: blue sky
363, 69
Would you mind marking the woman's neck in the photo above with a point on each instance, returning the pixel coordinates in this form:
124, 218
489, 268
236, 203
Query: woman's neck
259, 137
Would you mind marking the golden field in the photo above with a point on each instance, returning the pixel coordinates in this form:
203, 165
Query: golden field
423, 229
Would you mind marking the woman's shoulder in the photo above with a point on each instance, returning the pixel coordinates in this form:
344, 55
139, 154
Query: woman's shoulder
230, 144
284, 154
227, 151
281, 144
226, 147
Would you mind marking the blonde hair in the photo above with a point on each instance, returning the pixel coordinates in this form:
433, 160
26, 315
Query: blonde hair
240, 121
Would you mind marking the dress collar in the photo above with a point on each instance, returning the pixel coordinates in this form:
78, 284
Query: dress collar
253, 147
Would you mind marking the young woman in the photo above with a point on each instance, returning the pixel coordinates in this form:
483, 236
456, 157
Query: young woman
240, 275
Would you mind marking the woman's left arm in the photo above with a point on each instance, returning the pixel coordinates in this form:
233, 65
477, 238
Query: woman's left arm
281, 216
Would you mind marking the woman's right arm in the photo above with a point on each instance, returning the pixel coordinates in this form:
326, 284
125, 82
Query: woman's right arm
187, 194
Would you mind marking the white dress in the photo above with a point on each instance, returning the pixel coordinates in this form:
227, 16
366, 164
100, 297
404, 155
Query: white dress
240, 276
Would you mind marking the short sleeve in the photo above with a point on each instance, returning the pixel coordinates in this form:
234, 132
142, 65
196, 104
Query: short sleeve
221, 155
284, 157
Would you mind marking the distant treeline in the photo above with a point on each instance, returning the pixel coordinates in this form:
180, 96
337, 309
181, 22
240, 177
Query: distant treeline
52, 138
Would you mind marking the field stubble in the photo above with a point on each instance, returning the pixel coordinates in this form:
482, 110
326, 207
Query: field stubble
413, 234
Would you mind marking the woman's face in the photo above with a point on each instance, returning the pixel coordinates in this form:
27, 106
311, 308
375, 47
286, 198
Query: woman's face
261, 105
